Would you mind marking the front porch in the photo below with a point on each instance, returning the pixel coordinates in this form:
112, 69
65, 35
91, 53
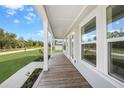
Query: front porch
74, 24
62, 74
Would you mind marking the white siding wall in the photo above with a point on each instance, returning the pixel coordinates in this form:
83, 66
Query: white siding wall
96, 76
77, 44
58, 47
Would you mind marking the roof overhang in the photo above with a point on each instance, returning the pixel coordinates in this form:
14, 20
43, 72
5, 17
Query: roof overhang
62, 18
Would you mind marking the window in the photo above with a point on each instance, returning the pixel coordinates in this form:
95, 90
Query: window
58, 42
115, 21
72, 46
89, 52
88, 42
67, 45
88, 31
64, 45
70, 50
115, 34
58, 45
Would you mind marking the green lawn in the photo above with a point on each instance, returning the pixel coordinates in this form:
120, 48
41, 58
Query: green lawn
54, 51
57, 51
11, 63
49, 51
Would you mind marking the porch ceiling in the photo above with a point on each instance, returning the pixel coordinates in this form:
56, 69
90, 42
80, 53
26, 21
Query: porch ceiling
61, 17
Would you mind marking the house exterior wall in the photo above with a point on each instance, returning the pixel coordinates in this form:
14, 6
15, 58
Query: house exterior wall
58, 47
97, 76
57, 44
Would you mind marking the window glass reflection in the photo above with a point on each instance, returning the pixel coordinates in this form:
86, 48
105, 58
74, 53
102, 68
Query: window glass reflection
115, 21
89, 31
89, 53
117, 59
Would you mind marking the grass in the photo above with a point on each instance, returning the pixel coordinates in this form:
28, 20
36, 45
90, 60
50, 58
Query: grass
54, 51
57, 51
16, 49
49, 51
11, 63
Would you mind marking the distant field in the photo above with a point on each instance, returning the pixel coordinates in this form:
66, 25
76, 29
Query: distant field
11, 63
57, 51
54, 51
16, 49
6, 50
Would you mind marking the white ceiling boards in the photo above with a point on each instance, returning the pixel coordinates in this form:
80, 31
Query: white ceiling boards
61, 17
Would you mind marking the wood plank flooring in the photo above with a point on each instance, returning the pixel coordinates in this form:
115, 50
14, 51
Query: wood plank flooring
62, 74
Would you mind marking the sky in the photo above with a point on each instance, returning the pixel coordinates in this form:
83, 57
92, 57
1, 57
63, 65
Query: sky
25, 22
89, 35
114, 26
21, 20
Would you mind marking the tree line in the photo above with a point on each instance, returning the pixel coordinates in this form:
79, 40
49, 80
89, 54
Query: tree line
10, 41
115, 34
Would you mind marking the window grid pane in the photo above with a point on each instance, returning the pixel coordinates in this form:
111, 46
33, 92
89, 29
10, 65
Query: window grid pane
115, 30
88, 45
89, 53
88, 31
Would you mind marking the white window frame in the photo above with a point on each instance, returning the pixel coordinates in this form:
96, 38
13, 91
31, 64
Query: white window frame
72, 48
68, 50
71, 51
87, 19
66, 44
101, 48
103, 66
109, 40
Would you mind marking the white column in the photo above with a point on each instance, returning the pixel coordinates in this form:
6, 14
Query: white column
45, 67
102, 55
51, 46
53, 41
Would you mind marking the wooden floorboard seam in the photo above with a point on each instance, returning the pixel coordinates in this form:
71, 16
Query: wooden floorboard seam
62, 74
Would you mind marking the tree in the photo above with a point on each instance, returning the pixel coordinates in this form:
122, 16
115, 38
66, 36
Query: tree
2, 41
9, 40
30, 42
1, 33
109, 35
21, 42
115, 34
